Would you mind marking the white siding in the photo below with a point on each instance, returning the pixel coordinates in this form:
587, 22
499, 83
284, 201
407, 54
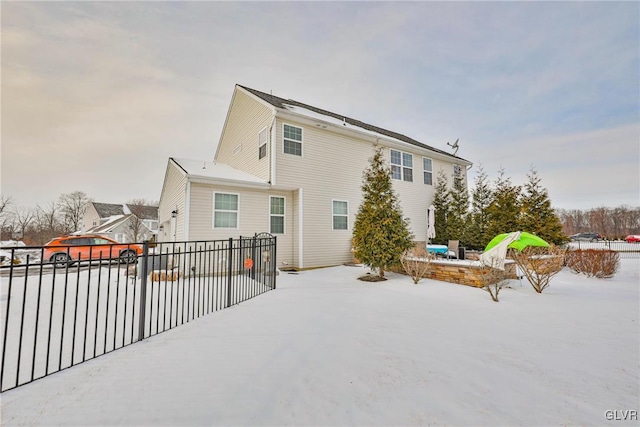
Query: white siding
172, 197
253, 216
91, 218
247, 117
331, 168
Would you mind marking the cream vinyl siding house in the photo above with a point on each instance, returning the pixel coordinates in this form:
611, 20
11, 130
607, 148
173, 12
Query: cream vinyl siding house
250, 201
311, 158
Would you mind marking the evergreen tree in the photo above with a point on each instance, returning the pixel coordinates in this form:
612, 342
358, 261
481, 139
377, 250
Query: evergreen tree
504, 210
380, 233
481, 196
537, 215
458, 211
441, 203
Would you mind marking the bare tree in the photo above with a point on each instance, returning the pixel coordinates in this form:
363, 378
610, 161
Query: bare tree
23, 218
613, 223
48, 222
73, 207
493, 280
539, 265
5, 202
137, 230
416, 262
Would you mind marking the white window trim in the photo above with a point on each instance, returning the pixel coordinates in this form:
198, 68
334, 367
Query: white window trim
284, 215
423, 170
266, 143
458, 171
213, 217
301, 141
333, 214
401, 165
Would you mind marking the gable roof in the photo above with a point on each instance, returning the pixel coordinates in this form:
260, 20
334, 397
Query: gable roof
110, 225
113, 223
108, 209
143, 212
286, 104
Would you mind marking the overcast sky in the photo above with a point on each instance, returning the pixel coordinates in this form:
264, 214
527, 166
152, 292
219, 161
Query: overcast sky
97, 96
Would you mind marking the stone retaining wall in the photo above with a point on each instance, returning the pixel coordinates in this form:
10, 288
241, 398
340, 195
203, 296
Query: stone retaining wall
464, 272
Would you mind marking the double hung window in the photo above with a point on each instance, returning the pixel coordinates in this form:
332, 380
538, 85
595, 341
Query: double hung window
276, 215
340, 214
262, 144
292, 140
427, 170
401, 166
225, 210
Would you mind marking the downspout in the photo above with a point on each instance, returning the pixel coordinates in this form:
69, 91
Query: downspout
272, 146
185, 218
300, 228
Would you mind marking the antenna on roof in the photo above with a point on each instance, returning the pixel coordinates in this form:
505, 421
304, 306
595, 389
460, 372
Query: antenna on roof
204, 165
344, 121
454, 146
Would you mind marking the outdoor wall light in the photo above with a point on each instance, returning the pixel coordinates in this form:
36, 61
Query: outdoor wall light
174, 213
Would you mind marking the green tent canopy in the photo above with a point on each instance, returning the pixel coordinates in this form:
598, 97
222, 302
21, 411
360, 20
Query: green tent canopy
526, 239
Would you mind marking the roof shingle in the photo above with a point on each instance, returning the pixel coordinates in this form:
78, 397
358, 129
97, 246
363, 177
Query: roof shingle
282, 103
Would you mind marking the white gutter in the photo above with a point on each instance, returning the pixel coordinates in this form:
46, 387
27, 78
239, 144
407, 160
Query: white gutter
228, 182
300, 228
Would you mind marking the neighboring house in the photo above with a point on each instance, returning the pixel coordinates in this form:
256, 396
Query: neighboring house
295, 171
119, 221
148, 215
99, 213
120, 228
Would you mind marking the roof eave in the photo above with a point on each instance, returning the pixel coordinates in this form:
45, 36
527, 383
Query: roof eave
199, 179
283, 113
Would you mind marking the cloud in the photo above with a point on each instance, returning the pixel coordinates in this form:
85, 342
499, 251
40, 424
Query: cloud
93, 88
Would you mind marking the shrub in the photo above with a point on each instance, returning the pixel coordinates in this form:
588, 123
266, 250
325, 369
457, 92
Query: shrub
593, 262
539, 265
416, 262
493, 280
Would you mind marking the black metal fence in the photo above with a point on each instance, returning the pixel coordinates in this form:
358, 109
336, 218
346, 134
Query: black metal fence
60, 312
624, 249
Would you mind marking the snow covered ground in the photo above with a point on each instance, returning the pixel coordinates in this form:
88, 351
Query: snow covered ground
327, 349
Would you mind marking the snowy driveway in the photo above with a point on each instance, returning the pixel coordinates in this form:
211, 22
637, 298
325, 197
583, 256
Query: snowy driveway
326, 349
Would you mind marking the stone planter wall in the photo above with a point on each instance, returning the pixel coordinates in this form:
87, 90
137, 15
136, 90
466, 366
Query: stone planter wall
464, 272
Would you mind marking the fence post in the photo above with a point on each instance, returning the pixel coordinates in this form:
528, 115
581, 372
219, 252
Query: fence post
229, 268
274, 264
254, 257
143, 288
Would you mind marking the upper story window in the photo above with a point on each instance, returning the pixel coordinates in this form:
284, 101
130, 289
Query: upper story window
401, 166
457, 171
340, 214
427, 170
225, 210
292, 140
151, 224
276, 215
262, 144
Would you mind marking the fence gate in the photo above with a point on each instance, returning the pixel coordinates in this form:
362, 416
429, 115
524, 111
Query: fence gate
57, 316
